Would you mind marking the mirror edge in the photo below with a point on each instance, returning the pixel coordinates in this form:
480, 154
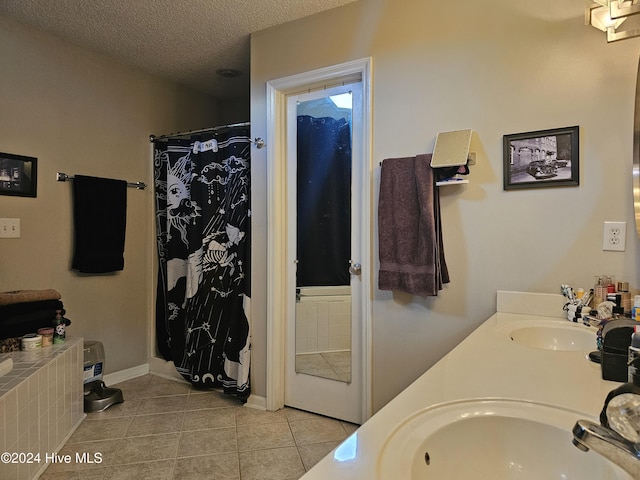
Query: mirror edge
636, 153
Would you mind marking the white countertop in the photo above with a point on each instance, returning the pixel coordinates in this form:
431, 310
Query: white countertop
487, 364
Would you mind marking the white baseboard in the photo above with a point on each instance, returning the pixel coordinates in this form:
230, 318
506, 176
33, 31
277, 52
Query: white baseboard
257, 402
127, 374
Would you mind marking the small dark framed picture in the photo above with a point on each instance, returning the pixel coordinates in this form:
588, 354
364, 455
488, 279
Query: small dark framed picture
18, 175
545, 158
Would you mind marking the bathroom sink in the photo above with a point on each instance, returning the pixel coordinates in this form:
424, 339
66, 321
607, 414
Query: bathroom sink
551, 335
490, 439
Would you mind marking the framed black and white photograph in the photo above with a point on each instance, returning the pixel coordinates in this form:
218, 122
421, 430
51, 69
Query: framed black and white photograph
18, 175
544, 158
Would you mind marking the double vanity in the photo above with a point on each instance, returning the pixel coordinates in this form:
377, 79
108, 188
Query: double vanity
501, 405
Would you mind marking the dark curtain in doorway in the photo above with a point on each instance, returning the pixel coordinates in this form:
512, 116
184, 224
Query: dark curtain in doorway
324, 201
203, 218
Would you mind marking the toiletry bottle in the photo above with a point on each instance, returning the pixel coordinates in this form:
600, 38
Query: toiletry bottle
636, 309
623, 288
634, 354
59, 328
599, 292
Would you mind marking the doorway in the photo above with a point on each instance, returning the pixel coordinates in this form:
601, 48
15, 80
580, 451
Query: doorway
290, 382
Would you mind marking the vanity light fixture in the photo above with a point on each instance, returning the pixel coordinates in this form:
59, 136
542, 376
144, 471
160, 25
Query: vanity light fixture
609, 16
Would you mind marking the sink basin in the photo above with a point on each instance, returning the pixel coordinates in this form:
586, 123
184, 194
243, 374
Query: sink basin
551, 335
490, 439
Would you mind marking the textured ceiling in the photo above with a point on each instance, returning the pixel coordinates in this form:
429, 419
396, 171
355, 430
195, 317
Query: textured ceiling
185, 41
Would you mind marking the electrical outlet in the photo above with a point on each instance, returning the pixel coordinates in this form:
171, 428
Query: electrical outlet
614, 236
9, 228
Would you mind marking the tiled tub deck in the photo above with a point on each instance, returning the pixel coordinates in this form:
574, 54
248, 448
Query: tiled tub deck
41, 404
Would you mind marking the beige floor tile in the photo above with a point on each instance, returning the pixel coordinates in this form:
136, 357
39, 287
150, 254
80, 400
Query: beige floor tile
294, 414
312, 454
259, 436
209, 418
317, 430
349, 427
272, 464
101, 451
194, 434
339, 361
125, 409
136, 387
94, 474
315, 365
162, 387
200, 400
211, 467
101, 429
246, 415
146, 449
160, 470
155, 424
150, 406
207, 442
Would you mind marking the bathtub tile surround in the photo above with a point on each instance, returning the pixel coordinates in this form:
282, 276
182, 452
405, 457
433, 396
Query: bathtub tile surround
487, 364
168, 430
41, 402
323, 319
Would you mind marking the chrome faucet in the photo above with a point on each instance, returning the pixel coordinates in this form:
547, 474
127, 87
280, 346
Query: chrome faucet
611, 445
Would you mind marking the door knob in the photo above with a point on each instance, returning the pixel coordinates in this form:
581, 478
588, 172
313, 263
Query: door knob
355, 269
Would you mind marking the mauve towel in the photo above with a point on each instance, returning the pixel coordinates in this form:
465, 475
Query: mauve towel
99, 218
409, 231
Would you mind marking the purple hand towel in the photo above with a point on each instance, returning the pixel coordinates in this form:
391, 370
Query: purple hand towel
409, 231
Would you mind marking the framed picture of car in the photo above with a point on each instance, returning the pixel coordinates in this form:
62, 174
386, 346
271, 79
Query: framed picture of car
544, 158
18, 175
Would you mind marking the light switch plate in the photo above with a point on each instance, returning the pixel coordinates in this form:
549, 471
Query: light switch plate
9, 228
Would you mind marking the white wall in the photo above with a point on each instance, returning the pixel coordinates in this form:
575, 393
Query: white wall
82, 113
498, 67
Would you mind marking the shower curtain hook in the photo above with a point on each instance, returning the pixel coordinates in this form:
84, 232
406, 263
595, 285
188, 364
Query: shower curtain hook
259, 143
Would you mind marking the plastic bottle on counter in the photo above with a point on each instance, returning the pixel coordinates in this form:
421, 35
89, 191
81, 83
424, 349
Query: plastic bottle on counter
634, 355
60, 328
636, 309
599, 292
623, 289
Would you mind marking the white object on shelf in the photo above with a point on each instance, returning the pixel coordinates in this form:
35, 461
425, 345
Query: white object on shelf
452, 181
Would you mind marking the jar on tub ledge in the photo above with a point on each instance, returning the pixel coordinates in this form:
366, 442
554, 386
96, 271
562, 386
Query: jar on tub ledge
47, 336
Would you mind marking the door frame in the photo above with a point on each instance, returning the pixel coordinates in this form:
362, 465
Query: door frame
277, 91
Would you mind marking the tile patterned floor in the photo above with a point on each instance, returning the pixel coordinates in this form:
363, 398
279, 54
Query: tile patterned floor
167, 430
332, 365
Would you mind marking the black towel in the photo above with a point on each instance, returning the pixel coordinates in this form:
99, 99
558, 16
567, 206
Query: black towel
21, 318
100, 216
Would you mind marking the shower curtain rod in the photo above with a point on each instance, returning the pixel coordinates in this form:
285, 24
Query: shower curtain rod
63, 177
258, 141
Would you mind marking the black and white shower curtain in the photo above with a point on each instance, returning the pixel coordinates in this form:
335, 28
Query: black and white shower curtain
203, 218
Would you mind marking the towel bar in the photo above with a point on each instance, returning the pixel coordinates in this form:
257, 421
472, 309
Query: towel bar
63, 177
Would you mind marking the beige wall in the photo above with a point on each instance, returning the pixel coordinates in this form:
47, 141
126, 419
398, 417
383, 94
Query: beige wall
498, 67
81, 113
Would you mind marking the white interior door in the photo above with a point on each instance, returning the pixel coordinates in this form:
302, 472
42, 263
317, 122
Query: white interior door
340, 397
